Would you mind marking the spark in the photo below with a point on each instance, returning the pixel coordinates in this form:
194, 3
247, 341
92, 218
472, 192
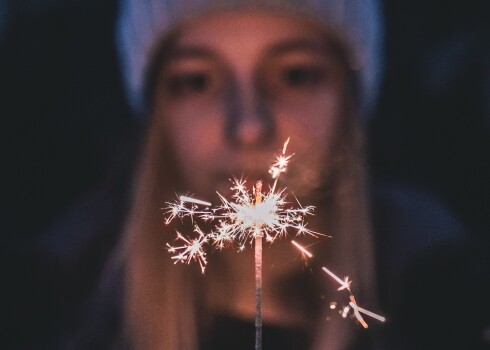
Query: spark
356, 312
179, 209
354, 305
238, 220
344, 284
279, 166
194, 200
285, 146
192, 249
302, 249
250, 215
345, 311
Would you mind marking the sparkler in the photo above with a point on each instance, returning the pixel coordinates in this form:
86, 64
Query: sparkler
344, 285
250, 216
247, 218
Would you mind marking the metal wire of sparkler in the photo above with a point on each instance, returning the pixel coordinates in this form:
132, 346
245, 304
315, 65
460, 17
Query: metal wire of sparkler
345, 284
248, 217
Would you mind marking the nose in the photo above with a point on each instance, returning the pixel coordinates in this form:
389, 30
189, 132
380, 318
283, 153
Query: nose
249, 122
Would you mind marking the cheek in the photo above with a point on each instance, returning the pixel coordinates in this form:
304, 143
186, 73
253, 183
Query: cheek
194, 133
311, 127
311, 124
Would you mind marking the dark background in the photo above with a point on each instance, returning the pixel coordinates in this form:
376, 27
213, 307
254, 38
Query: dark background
64, 119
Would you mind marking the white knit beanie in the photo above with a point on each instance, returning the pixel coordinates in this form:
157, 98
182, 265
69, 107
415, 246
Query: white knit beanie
141, 24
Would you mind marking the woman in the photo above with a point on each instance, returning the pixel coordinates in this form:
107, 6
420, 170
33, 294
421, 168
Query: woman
224, 84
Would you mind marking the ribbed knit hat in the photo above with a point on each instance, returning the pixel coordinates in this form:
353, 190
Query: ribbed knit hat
142, 23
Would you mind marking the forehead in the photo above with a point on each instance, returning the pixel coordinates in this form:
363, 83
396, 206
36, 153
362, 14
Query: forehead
248, 34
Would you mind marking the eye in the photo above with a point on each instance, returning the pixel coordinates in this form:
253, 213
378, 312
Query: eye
303, 76
189, 83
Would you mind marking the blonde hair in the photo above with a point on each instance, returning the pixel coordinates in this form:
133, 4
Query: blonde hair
161, 310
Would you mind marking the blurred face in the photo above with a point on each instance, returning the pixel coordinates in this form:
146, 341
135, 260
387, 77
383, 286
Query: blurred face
236, 86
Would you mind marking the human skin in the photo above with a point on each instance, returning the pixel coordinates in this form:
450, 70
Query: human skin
233, 88
236, 86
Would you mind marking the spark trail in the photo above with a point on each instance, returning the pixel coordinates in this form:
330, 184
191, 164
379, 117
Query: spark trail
344, 285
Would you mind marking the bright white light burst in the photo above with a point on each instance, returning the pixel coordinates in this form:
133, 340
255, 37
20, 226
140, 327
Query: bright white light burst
239, 220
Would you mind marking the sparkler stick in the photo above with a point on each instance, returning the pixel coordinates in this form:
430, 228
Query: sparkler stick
245, 218
258, 275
